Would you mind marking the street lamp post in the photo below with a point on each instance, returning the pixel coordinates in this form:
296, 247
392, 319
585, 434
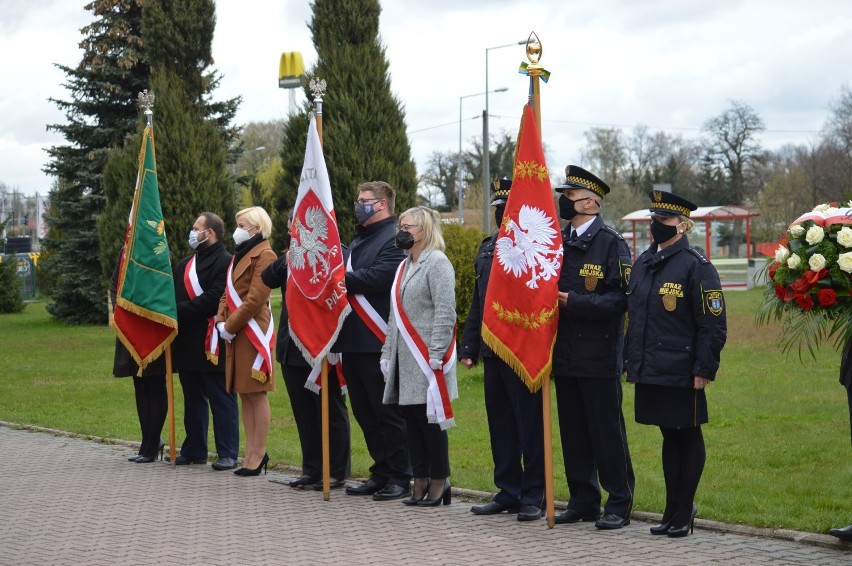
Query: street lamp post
486, 161
459, 165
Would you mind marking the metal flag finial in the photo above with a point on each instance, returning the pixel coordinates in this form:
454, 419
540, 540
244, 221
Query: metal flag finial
317, 87
533, 49
146, 101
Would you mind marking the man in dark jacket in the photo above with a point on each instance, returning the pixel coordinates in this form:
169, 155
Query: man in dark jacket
587, 359
370, 270
199, 284
514, 413
845, 533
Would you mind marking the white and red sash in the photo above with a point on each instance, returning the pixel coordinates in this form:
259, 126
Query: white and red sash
262, 341
193, 289
438, 406
366, 312
314, 382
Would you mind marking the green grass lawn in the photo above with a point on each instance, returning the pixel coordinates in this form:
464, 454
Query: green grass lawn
778, 452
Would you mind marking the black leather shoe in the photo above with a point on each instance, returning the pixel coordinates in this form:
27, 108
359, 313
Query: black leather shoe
612, 521
574, 516
183, 461
369, 487
390, 492
303, 482
530, 513
332, 484
844, 533
224, 464
494, 508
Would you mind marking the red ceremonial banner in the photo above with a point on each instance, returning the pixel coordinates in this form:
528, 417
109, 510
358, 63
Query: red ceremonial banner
521, 304
316, 286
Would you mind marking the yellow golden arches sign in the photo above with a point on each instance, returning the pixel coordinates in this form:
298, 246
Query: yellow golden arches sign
291, 69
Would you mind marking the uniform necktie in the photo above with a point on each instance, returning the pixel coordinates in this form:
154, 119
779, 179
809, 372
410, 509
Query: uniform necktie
573, 237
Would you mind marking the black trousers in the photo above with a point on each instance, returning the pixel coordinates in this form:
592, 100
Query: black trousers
517, 435
428, 445
307, 411
382, 425
594, 444
151, 406
200, 389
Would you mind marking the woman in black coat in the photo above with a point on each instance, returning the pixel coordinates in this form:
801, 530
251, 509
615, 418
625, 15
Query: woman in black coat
150, 389
675, 334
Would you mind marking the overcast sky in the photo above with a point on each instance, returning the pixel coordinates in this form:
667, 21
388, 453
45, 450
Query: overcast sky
667, 64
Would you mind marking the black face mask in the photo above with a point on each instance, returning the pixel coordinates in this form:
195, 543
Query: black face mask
566, 207
662, 233
499, 211
404, 240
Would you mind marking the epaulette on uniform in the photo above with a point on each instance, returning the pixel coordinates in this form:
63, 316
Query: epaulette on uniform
698, 254
613, 231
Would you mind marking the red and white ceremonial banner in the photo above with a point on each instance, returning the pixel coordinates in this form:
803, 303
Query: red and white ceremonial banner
521, 303
316, 285
193, 289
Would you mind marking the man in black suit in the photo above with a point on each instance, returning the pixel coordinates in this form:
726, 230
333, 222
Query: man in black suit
370, 270
199, 284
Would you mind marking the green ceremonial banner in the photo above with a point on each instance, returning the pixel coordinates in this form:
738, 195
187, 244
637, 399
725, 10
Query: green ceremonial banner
145, 316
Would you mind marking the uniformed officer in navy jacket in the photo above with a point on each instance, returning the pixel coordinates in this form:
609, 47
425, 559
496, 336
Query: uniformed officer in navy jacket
676, 331
587, 358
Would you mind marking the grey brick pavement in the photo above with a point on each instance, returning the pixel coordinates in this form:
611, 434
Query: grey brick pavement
67, 500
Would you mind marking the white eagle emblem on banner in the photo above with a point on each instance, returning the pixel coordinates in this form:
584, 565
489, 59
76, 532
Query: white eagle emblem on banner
308, 246
528, 246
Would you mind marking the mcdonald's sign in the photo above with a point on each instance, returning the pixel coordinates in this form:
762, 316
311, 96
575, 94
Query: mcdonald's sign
291, 69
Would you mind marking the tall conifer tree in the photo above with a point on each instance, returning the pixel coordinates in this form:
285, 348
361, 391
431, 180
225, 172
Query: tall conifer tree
101, 111
364, 133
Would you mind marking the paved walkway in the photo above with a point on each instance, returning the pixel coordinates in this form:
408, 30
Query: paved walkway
67, 500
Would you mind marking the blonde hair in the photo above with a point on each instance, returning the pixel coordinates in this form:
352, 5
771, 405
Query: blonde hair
256, 216
430, 222
690, 224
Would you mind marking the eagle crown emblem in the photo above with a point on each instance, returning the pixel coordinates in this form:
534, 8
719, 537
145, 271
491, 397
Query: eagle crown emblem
528, 246
308, 247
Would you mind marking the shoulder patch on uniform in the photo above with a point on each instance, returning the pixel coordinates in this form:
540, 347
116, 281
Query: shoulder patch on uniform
698, 254
715, 302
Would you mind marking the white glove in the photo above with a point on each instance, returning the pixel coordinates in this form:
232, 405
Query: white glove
435, 364
385, 367
220, 326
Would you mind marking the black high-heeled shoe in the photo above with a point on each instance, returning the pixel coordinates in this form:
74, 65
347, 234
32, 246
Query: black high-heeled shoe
415, 500
255, 471
665, 524
446, 497
160, 448
677, 532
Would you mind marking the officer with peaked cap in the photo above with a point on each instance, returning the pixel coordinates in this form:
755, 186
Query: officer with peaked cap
587, 358
514, 414
674, 339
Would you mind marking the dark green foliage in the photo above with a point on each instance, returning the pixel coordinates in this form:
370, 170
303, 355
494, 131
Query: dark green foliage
101, 111
462, 247
190, 135
10, 286
364, 134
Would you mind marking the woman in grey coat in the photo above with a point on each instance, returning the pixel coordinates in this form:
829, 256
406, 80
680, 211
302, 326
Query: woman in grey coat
418, 357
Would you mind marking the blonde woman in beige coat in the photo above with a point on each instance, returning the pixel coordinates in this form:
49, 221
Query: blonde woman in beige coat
418, 357
245, 321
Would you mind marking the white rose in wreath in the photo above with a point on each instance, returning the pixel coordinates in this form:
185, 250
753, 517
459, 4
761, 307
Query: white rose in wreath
794, 262
844, 262
781, 254
797, 231
844, 237
822, 207
814, 235
816, 262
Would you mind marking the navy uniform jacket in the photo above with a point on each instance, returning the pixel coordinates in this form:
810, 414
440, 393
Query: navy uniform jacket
375, 259
472, 345
595, 271
677, 323
211, 265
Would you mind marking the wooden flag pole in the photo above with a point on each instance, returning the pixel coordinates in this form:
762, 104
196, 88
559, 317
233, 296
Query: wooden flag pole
170, 390
534, 70
318, 88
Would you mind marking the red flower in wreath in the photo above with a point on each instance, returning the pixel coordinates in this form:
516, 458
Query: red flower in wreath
827, 297
805, 302
772, 269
